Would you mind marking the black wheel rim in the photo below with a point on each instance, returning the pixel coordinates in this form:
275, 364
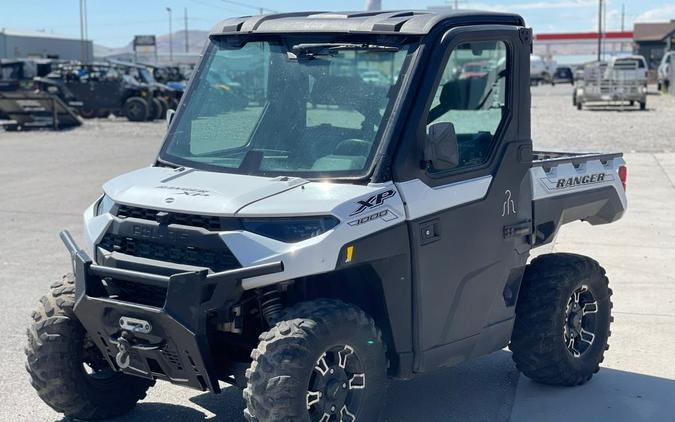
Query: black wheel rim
94, 365
336, 386
580, 321
135, 109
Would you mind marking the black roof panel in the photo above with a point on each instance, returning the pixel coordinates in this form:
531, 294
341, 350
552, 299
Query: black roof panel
414, 22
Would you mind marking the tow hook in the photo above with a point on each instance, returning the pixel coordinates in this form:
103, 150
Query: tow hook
122, 358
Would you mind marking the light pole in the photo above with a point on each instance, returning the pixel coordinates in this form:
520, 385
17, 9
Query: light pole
168, 9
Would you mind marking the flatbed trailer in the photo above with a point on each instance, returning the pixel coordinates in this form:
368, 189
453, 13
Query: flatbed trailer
617, 83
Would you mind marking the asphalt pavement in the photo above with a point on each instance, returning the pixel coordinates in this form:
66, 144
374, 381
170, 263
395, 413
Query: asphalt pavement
49, 178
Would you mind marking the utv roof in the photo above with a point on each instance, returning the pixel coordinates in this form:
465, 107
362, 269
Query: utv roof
413, 22
125, 64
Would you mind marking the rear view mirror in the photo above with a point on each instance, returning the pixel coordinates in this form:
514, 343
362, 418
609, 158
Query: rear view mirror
169, 116
441, 151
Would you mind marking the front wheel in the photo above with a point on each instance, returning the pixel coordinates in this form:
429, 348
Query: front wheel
65, 367
324, 362
136, 109
562, 322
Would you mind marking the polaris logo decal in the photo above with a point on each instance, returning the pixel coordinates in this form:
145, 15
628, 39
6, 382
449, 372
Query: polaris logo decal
576, 181
184, 191
384, 215
374, 201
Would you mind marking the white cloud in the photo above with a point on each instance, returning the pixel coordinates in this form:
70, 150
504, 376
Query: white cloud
660, 14
612, 21
534, 5
555, 4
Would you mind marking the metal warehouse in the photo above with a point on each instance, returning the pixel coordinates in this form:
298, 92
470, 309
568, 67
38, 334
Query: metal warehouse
26, 43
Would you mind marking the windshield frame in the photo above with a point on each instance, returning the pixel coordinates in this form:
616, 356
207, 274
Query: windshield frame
389, 118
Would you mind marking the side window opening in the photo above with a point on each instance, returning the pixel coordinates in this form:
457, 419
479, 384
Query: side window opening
472, 96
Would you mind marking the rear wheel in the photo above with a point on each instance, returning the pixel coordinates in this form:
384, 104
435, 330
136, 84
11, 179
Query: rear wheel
88, 113
643, 105
164, 104
580, 105
136, 109
155, 110
103, 113
324, 362
67, 370
562, 320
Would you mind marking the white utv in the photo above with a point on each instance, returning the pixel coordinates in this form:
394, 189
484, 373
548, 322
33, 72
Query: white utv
332, 230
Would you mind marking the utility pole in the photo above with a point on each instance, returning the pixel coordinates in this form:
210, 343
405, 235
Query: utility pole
623, 16
373, 5
168, 9
81, 32
187, 45
84, 32
259, 8
456, 4
599, 30
604, 22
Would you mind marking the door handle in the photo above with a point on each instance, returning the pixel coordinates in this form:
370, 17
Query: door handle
430, 231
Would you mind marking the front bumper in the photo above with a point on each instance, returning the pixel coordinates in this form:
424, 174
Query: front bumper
174, 345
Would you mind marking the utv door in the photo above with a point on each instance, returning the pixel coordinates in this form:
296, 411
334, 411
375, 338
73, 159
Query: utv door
469, 224
96, 92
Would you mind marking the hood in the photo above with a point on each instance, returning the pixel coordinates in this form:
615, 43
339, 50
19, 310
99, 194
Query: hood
193, 191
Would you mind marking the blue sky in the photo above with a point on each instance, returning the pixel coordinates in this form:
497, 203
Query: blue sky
114, 22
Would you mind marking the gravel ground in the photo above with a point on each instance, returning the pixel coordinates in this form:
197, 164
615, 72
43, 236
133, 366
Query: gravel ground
557, 125
49, 178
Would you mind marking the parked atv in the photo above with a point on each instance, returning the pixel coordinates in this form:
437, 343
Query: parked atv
22, 106
165, 96
307, 246
96, 90
171, 76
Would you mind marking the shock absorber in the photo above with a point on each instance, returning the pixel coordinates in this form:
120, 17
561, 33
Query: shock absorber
271, 306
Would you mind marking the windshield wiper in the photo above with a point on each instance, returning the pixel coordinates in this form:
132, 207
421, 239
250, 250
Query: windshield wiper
330, 49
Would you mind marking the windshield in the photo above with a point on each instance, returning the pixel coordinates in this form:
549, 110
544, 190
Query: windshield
11, 71
313, 110
146, 76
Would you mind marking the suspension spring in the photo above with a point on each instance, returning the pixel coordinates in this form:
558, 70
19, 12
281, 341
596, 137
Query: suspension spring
271, 306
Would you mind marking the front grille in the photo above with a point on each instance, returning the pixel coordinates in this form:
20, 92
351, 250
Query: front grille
208, 222
139, 293
217, 259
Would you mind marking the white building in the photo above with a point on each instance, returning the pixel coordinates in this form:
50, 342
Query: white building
25, 43
580, 47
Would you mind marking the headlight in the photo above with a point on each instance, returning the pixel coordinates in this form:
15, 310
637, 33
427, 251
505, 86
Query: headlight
105, 205
290, 230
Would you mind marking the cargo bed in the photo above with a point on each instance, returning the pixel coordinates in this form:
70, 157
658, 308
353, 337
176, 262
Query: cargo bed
575, 186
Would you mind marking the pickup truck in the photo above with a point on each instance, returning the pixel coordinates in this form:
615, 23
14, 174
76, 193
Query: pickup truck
332, 231
663, 72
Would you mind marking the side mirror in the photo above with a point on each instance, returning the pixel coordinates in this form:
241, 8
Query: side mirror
441, 151
169, 116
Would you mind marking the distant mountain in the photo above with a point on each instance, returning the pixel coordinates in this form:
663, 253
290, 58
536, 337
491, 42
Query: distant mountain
196, 40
